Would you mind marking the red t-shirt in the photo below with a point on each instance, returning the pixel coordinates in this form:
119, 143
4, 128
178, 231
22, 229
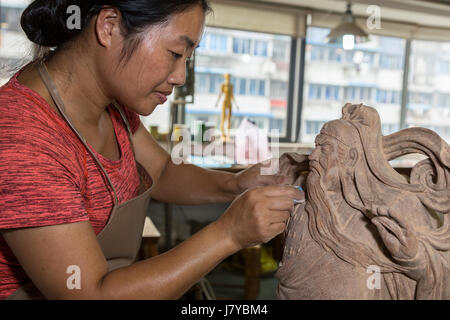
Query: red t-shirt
47, 177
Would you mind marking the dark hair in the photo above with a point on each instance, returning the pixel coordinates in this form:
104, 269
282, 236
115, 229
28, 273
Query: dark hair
45, 21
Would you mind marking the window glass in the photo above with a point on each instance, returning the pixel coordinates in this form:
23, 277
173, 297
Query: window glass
10, 18
429, 92
14, 46
259, 67
371, 73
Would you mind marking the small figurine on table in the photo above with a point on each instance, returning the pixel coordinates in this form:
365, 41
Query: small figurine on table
227, 106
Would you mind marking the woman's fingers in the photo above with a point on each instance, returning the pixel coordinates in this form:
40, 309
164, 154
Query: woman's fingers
267, 180
276, 216
260, 214
280, 203
278, 228
284, 191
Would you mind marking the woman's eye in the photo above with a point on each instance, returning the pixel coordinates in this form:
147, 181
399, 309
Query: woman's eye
176, 55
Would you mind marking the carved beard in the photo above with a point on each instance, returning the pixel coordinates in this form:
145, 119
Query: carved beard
323, 224
326, 230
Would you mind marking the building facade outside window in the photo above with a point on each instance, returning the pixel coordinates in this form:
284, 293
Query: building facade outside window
259, 67
429, 90
372, 74
15, 48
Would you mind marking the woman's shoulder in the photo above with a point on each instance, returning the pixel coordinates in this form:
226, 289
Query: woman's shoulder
18, 99
26, 119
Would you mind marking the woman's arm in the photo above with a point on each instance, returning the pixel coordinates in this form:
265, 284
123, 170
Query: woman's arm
186, 184
46, 253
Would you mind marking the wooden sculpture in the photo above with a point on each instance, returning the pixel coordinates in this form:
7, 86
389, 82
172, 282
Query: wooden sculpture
365, 231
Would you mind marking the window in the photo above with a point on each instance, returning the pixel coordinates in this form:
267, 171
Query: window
259, 67
10, 18
371, 73
429, 94
241, 46
315, 92
242, 87
388, 96
260, 48
444, 100
262, 88
253, 87
332, 93
393, 62
317, 53
201, 83
313, 127
218, 42
214, 42
14, 45
280, 51
388, 128
335, 54
278, 89
395, 97
420, 98
444, 67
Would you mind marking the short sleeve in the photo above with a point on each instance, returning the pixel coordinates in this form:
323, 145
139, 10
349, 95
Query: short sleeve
38, 185
133, 119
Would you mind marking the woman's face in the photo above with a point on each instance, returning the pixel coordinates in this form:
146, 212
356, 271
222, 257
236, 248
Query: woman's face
157, 65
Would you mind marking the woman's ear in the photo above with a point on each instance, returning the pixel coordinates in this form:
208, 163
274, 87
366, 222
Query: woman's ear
353, 157
107, 25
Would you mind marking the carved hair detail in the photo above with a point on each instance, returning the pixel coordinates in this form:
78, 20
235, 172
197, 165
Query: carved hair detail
429, 179
374, 182
433, 174
361, 212
367, 121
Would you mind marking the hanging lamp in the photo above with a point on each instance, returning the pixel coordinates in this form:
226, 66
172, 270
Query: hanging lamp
347, 33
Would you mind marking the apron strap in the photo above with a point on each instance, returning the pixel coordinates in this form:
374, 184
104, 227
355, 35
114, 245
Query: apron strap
124, 117
61, 107
127, 125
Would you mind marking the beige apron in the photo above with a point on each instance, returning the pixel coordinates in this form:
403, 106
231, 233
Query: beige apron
120, 239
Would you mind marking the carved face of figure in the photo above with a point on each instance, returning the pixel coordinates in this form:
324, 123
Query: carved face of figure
324, 161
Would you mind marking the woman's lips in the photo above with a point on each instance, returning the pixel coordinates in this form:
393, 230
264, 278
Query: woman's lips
162, 97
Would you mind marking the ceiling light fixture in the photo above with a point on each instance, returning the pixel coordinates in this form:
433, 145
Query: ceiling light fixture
347, 33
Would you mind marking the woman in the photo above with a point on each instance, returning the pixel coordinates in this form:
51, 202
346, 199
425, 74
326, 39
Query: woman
71, 195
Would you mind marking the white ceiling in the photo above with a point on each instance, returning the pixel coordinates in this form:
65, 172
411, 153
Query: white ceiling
418, 12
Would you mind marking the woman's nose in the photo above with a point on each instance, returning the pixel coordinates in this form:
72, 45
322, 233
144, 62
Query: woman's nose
178, 77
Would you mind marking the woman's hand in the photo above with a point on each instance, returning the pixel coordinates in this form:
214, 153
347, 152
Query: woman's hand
254, 176
284, 170
259, 214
